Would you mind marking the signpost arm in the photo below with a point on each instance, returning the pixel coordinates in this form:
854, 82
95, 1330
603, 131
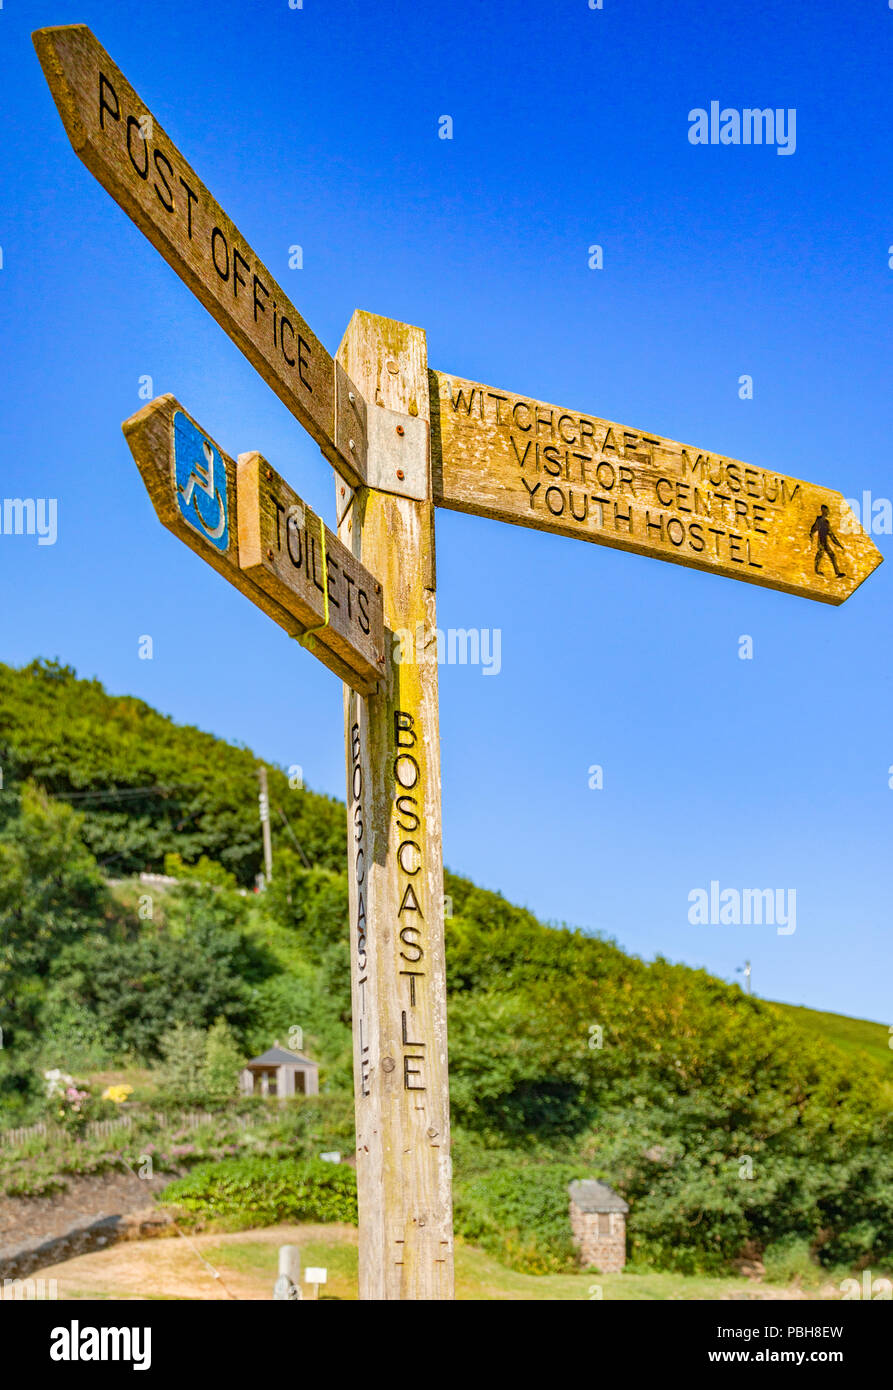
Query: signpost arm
394, 840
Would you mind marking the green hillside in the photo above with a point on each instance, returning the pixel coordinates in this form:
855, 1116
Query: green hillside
730, 1125
148, 786
856, 1036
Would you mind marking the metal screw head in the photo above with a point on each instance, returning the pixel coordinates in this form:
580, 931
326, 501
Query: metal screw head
400, 429
268, 472
269, 554
342, 492
392, 367
388, 1064
351, 397
400, 473
351, 446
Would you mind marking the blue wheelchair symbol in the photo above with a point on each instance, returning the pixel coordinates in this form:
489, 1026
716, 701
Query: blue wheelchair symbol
201, 482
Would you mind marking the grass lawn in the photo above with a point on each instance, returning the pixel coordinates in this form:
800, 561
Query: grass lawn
244, 1266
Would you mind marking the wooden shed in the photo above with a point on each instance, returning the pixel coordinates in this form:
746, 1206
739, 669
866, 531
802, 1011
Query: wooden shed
278, 1072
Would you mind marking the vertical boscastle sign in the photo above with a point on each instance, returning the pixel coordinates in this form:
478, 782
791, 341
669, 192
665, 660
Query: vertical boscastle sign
394, 838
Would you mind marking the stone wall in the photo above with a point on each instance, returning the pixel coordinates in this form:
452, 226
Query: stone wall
83, 1240
600, 1238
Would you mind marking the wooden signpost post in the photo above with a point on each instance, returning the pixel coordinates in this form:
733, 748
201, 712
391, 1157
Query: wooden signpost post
395, 856
403, 440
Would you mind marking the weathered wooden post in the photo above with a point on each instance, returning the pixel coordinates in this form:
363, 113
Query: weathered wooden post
394, 838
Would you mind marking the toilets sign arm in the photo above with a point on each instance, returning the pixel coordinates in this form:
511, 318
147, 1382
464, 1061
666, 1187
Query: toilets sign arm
245, 521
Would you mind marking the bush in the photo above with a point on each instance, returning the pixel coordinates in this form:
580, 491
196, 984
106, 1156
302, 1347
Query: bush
181, 1074
521, 1215
68, 1101
199, 1067
199, 967
261, 1192
788, 1259
223, 1060
204, 870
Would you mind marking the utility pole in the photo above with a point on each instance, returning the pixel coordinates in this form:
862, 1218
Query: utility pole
745, 971
263, 801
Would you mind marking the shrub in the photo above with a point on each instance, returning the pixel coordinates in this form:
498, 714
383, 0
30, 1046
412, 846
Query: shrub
181, 1075
261, 1192
201, 966
51, 896
521, 1215
788, 1259
222, 1061
68, 1101
204, 870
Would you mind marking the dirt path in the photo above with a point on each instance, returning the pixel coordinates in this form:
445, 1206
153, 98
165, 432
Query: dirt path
170, 1268
242, 1266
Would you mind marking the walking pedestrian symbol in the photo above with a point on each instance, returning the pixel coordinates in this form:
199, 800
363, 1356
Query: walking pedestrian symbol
201, 482
825, 538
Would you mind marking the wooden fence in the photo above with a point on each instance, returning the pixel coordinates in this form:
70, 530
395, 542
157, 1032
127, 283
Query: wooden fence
96, 1129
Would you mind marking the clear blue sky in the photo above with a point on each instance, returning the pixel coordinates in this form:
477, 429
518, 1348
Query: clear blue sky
319, 127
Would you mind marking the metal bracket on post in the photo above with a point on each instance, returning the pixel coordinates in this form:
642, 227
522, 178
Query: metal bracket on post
351, 438
398, 453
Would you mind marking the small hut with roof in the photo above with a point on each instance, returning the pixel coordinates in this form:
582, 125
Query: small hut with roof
278, 1072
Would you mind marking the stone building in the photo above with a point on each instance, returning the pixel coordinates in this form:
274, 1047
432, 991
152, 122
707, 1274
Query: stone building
598, 1224
278, 1072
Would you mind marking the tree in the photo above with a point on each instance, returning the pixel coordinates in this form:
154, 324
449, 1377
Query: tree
181, 1071
51, 895
191, 973
224, 1059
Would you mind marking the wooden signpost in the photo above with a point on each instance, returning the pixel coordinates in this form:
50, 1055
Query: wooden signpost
515, 459
403, 440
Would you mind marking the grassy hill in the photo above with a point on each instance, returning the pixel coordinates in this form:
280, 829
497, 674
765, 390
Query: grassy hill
729, 1124
856, 1036
148, 786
